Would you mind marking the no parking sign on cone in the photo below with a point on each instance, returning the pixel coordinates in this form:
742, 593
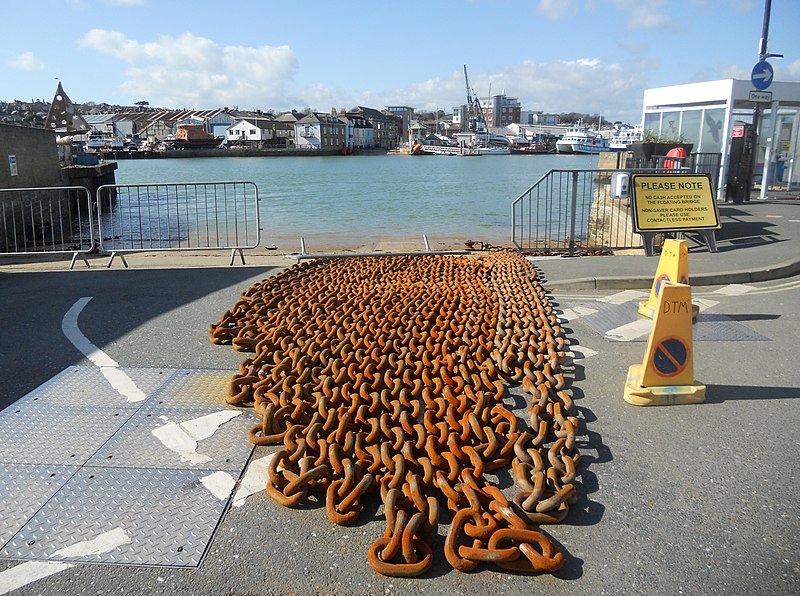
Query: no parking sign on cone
666, 375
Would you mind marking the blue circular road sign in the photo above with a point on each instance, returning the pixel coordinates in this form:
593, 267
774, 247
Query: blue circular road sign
761, 77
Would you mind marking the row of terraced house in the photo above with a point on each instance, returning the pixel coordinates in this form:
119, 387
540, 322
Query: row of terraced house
357, 129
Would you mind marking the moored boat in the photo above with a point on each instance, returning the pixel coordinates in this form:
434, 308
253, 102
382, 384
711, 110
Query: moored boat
623, 138
493, 150
532, 149
581, 140
192, 136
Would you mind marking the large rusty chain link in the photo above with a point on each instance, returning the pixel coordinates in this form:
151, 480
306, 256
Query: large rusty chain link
388, 374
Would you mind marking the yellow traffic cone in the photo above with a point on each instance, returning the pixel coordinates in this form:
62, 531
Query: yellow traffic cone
673, 265
666, 375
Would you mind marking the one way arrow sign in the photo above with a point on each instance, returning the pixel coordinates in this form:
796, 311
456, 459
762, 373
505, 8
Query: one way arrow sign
761, 77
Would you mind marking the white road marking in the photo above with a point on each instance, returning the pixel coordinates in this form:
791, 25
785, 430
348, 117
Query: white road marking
255, 479
775, 216
183, 438
734, 290
220, 484
580, 352
704, 303
108, 366
624, 296
26, 573
630, 331
570, 314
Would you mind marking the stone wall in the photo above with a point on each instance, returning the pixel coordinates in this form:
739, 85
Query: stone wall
36, 157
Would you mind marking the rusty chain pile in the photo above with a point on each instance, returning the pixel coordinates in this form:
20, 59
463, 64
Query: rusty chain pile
388, 374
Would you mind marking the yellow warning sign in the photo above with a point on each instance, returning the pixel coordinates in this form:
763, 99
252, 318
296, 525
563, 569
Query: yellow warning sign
667, 202
666, 374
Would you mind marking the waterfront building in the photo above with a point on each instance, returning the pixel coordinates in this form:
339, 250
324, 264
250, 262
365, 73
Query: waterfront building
254, 130
500, 110
360, 133
405, 113
387, 127
706, 114
537, 118
321, 131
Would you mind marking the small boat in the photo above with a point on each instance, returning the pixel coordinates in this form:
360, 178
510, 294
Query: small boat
493, 150
192, 136
532, 149
581, 140
95, 141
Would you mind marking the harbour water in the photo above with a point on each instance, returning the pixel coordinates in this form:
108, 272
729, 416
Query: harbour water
371, 201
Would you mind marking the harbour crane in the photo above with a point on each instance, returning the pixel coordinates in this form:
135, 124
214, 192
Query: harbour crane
475, 117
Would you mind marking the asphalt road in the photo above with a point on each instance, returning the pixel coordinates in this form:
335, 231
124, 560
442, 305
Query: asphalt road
687, 499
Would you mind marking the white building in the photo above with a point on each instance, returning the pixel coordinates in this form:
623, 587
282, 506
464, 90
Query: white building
705, 115
250, 129
321, 131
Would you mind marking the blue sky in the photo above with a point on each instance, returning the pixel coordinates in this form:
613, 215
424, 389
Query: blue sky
592, 56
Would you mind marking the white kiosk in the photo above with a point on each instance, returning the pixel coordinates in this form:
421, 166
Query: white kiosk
704, 114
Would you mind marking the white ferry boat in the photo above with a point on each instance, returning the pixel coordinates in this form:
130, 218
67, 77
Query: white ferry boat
624, 138
581, 140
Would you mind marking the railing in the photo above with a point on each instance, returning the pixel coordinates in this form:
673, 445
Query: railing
50, 220
566, 211
178, 216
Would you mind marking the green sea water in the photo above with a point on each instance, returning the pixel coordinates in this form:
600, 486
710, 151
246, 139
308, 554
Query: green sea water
363, 200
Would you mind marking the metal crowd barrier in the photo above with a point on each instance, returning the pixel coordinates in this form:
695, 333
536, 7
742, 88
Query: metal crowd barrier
47, 220
178, 216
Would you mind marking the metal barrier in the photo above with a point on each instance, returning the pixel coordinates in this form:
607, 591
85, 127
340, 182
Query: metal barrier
178, 216
569, 210
47, 220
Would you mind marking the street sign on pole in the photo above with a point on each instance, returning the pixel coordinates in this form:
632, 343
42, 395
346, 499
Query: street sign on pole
761, 96
761, 77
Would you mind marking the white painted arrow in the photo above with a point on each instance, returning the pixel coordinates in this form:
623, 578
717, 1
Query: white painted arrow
766, 75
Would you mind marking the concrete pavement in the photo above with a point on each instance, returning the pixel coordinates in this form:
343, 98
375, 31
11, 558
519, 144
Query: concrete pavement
758, 241
691, 499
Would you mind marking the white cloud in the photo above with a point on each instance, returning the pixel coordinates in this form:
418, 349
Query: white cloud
26, 61
789, 72
553, 9
192, 71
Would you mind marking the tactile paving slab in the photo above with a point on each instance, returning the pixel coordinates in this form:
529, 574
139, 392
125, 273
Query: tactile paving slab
35, 432
77, 460
192, 388
86, 386
135, 445
168, 515
23, 491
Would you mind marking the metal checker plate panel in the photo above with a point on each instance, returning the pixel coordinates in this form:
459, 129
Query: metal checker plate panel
39, 433
168, 515
193, 388
86, 386
135, 446
27, 487
708, 327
